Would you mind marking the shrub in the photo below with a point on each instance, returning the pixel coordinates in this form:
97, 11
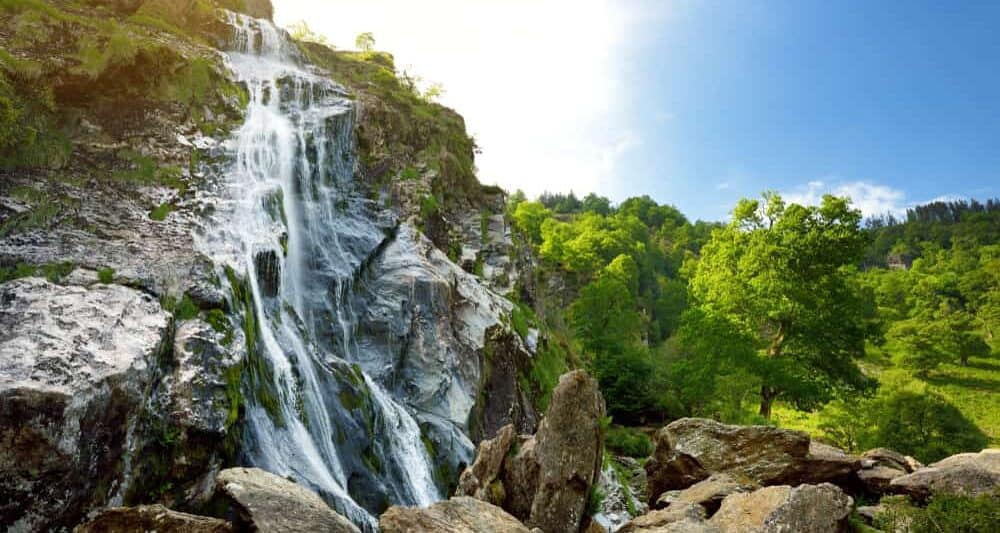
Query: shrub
628, 441
944, 513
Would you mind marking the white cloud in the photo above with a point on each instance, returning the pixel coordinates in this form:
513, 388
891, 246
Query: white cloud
872, 199
539, 82
722, 186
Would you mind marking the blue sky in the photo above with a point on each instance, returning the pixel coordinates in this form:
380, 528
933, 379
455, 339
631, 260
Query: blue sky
891, 102
698, 103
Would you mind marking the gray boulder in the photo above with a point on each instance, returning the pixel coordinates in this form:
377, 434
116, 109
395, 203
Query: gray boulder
76, 366
692, 449
457, 515
708, 493
969, 474
804, 509
151, 518
272, 504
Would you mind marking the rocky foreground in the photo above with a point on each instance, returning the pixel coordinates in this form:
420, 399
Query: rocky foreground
703, 477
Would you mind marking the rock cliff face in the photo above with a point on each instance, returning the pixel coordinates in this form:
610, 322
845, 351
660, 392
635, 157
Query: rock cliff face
76, 366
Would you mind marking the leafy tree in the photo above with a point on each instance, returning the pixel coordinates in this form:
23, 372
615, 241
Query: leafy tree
529, 216
781, 276
920, 344
300, 31
604, 318
596, 204
365, 41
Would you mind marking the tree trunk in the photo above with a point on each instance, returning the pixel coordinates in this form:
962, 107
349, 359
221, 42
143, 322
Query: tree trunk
767, 396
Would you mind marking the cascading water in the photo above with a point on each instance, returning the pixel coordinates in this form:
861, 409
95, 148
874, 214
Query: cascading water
289, 218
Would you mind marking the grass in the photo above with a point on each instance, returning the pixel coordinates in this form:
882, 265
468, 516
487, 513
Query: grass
974, 390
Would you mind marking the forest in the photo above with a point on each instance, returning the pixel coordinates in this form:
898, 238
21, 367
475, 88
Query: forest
863, 332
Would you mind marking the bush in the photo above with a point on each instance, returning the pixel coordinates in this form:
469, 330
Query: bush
628, 441
944, 513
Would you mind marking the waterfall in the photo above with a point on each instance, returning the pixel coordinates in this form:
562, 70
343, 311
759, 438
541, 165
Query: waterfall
290, 218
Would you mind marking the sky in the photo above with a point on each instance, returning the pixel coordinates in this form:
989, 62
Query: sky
700, 103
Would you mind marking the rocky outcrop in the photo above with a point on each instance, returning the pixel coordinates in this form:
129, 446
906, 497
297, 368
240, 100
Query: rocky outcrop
968, 474
804, 509
269, 503
76, 365
151, 518
692, 449
424, 329
457, 515
546, 479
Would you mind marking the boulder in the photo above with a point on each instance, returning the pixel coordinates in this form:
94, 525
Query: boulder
691, 449
481, 480
545, 480
804, 509
569, 449
708, 493
151, 518
76, 366
681, 517
887, 458
877, 479
270, 503
968, 474
458, 515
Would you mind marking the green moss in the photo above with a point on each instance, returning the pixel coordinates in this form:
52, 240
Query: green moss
145, 171
220, 322
160, 212
106, 275
54, 272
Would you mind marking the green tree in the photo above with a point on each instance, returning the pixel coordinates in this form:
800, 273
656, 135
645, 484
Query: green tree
782, 275
920, 344
529, 216
365, 41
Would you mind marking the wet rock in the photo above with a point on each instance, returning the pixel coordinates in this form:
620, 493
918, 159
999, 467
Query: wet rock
273, 504
151, 518
619, 504
422, 331
968, 474
268, 269
457, 515
804, 509
691, 449
708, 493
76, 364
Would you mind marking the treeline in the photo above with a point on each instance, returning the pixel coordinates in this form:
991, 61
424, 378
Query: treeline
780, 308
938, 224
